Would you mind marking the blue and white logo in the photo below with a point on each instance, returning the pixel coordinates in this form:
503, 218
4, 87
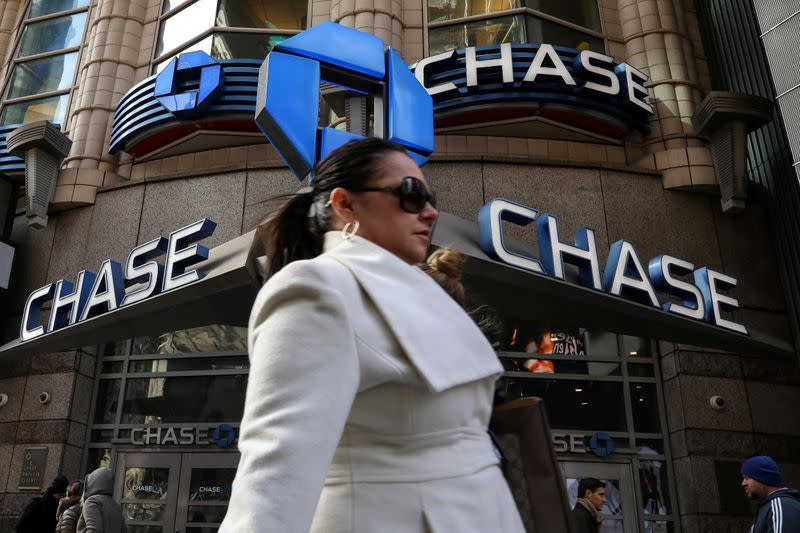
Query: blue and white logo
287, 108
601, 444
193, 67
224, 435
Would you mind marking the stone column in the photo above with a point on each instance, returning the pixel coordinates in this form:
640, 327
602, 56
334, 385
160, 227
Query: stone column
117, 55
10, 16
382, 18
661, 38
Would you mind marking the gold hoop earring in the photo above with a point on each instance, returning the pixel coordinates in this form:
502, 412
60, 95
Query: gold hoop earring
347, 234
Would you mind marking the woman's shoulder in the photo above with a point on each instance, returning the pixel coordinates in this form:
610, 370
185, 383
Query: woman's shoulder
319, 278
320, 270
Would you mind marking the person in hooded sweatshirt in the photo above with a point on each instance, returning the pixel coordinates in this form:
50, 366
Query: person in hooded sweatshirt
39, 516
101, 513
778, 508
69, 508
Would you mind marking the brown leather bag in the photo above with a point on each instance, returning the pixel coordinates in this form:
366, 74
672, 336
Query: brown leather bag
530, 467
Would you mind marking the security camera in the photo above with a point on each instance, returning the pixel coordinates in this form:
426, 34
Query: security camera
3, 399
717, 402
44, 398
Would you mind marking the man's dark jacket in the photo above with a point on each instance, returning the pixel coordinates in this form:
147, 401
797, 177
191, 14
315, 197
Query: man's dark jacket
39, 516
583, 520
778, 513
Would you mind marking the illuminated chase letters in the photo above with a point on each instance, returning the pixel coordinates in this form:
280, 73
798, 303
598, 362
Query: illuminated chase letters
94, 294
624, 275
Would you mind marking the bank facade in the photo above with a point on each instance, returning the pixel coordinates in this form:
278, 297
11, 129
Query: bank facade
616, 122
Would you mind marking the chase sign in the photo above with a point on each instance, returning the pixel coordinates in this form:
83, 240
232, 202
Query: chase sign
699, 297
580, 88
289, 90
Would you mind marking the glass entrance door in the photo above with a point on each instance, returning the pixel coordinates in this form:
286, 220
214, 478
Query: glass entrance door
147, 488
205, 490
174, 492
619, 512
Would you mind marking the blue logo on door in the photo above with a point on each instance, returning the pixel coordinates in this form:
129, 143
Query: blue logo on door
287, 108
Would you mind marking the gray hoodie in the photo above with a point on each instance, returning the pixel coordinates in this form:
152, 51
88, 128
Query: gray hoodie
101, 514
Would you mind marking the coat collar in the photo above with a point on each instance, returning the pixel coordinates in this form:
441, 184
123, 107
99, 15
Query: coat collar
438, 337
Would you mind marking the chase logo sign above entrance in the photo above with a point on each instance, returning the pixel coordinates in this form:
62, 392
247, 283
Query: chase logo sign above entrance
289, 93
579, 88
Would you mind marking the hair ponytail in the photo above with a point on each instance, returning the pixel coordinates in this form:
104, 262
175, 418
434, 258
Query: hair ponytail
297, 229
288, 235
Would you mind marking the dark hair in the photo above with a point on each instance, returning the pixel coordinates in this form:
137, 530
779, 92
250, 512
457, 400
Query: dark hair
296, 230
588, 483
75, 488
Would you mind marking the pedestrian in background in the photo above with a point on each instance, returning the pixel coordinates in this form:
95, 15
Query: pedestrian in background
69, 508
101, 513
591, 497
778, 507
39, 515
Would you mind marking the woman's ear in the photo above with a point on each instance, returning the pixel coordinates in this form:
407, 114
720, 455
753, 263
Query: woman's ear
342, 205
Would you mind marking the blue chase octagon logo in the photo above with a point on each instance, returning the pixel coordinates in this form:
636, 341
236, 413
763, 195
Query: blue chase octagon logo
287, 106
193, 66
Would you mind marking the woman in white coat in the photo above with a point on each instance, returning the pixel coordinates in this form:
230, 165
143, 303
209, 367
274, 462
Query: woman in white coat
370, 389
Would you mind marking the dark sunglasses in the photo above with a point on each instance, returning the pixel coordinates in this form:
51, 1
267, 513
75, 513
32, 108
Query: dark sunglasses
412, 192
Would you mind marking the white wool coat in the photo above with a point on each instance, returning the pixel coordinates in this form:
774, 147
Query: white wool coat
369, 395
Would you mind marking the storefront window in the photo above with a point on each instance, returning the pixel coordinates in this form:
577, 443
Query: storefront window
522, 23
574, 404
644, 403
184, 399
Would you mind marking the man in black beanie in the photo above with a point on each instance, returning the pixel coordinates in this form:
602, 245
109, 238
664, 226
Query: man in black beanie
778, 508
39, 516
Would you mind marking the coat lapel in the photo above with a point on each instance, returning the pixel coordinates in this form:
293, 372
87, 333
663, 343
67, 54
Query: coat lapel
439, 338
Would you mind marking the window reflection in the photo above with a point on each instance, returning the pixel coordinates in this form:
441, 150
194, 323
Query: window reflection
653, 481
185, 24
274, 14
42, 75
212, 338
52, 108
45, 7
203, 44
52, 34
107, 400
229, 45
545, 31
478, 33
581, 12
172, 4
439, 10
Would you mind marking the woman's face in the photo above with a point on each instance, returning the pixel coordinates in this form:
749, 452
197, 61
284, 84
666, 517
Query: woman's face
381, 218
